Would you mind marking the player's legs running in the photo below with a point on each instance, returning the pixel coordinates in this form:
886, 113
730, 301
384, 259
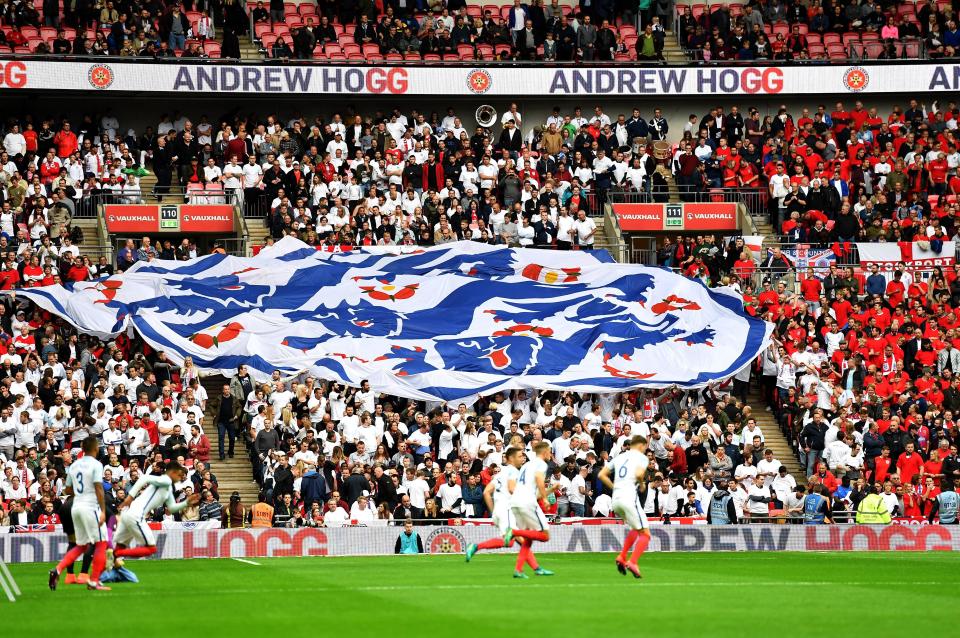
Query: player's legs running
531, 526
129, 530
89, 533
501, 518
68, 559
638, 537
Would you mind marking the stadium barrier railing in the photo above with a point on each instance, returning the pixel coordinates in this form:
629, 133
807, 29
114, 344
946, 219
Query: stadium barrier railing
447, 539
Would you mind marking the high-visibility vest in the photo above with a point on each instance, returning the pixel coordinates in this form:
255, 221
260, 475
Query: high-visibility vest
261, 515
872, 510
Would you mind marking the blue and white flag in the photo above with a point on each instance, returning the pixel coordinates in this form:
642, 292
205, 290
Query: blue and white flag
449, 322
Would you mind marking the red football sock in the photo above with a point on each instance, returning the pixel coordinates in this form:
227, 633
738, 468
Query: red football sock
493, 543
99, 561
522, 556
531, 534
73, 554
641, 547
531, 559
135, 552
627, 544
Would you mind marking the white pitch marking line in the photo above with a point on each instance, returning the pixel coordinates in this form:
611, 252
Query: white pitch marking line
247, 562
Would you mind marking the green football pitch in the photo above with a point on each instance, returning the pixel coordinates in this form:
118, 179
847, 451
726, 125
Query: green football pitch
717, 595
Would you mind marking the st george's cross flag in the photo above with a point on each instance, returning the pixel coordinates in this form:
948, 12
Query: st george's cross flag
443, 323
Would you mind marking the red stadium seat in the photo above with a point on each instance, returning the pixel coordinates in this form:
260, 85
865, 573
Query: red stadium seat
212, 49
370, 49
30, 32
501, 49
337, 56
393, 57
318, 54
411, 55
267, 41
330, 48
431, 57
485, 51
831, 38
474, 11
374, 56
465, 49
259, 30
351, 48
872, 50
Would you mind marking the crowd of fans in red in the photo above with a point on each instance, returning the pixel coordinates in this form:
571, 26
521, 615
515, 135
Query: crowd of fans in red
783, 30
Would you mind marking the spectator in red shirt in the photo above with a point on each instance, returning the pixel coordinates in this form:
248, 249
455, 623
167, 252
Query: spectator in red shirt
78, 272
938, 174
882, 463
65, 141
909, 464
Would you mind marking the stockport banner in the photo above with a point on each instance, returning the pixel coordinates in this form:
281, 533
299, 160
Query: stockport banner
342, 541
467, 81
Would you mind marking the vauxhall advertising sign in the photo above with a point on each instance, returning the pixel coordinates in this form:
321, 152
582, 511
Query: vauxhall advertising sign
173, 218
654, 218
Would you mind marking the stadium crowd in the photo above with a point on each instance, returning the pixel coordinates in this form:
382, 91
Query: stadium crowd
777, 30
860, 379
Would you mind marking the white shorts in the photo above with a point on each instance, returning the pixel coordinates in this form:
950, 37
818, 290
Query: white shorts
86, 524
502, 518
132, 530
529, 517
631, 512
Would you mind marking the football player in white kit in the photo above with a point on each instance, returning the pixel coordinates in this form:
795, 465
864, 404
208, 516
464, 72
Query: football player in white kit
497, 496
527, 491
628, 470
85, 482
150, 492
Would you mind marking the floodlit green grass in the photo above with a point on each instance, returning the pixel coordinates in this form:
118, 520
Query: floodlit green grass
716, 595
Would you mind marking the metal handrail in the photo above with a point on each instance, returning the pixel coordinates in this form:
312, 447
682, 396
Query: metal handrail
433, 63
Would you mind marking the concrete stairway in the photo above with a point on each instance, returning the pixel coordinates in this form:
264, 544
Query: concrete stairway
672, 52
249, 50
234, 474
774, 439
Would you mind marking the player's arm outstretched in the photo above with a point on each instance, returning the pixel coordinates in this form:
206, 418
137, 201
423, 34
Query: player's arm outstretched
175, 507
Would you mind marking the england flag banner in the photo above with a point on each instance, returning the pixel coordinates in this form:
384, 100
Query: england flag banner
444, 323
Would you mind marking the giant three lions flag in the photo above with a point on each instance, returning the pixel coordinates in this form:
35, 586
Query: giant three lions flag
446, 323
